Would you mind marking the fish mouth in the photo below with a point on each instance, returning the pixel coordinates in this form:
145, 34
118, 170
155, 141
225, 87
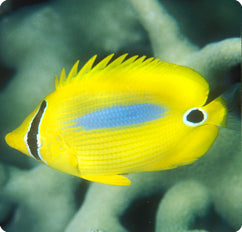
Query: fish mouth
9, 138
16, 141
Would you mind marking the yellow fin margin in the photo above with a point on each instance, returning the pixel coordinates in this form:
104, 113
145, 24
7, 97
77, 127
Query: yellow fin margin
108, 179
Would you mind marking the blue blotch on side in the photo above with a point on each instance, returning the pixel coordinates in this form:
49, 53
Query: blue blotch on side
117, 116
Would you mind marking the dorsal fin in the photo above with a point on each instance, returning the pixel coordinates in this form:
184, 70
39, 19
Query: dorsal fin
73, 71
62, 79
105, 64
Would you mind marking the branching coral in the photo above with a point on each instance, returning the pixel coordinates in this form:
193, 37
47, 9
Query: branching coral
40, 181
169, 44
45, 196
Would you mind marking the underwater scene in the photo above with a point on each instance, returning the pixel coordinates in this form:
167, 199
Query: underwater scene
120, 116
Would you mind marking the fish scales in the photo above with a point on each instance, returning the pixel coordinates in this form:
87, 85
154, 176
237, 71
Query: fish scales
122, 116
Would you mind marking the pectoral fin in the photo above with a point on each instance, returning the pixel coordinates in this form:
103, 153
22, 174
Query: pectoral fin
108, 179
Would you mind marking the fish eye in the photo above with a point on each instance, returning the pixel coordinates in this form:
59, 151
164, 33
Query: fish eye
194, 117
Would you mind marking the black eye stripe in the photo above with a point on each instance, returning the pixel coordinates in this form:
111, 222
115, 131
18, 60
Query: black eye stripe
32, 135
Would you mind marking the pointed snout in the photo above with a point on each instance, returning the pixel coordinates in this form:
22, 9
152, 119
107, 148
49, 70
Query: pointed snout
16, 140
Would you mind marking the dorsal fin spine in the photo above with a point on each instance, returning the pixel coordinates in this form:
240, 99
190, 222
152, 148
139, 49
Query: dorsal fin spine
130, 60
117, 61
73, 72
62, 77
130, 64
103, 63
87, 66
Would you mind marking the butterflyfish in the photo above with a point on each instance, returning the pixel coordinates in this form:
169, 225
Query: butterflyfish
122, 116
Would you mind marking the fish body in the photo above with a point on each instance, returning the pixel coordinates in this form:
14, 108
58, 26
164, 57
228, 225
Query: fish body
122, 117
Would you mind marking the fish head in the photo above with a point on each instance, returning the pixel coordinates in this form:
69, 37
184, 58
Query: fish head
25, 137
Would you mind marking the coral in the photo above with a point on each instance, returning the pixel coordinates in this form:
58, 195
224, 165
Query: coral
43, 184
169, 44
188, 196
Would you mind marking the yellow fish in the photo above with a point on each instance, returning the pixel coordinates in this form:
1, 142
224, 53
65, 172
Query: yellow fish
119, 117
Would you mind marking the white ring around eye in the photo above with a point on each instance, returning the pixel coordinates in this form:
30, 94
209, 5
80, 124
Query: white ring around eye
205, 115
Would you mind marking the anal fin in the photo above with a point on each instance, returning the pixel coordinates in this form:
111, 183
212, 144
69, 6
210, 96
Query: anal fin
108, 179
